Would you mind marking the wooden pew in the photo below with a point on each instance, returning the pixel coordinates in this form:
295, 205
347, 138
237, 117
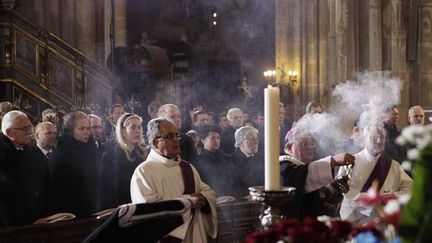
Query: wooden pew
236, 220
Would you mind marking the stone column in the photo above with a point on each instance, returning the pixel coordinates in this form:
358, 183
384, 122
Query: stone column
423, 95
289, 51
323, 53
394, 50
375, 35
311, 51
52, 17
296, 30
282, 37
100, 31
346, 33
31, 10
332, 53
67, 21
120, 23
282, 65
106, 38
85, 28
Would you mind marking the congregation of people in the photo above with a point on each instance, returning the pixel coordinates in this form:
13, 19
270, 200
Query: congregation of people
82, 163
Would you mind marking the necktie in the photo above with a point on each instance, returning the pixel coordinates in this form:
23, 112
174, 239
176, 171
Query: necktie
48, 155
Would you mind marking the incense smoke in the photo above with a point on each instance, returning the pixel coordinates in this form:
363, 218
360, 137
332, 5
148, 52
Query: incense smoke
365, 101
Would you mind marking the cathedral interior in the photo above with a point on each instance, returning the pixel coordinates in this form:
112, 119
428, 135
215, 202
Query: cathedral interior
89, 54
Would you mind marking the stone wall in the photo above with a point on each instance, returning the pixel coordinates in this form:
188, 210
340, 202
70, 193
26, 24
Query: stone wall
329, 41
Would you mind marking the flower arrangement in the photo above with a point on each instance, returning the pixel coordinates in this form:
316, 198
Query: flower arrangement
323, 229
388, 207
416, 221
326, 229
291, 230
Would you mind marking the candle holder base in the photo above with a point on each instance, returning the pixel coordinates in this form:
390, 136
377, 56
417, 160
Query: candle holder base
274, 200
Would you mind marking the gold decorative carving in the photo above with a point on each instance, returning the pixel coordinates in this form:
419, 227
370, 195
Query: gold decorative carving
61, 77
25, 52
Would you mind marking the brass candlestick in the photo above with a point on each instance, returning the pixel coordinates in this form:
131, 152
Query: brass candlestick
274, 201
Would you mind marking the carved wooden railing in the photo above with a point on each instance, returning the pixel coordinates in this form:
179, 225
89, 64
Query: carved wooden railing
38, 70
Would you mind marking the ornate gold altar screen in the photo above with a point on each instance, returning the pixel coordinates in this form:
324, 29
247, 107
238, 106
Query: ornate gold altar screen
39, 70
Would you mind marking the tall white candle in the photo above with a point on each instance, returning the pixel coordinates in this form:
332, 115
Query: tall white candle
271, 139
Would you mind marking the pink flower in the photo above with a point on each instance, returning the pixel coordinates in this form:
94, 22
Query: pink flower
391, 213
391, 219
385, 198
371, 197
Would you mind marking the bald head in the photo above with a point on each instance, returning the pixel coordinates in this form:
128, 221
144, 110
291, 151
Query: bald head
45, 134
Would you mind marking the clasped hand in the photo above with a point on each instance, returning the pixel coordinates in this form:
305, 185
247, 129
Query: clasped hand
201, 201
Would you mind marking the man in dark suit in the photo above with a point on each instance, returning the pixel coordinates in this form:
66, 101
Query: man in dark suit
236, 120
109, 134
46, 137
392, 149
284, 127
96, 130
249, 163
23, 176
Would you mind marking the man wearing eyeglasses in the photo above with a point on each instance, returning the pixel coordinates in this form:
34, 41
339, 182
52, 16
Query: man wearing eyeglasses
309, 177
165, 176
17, 128
23, 177
172, 113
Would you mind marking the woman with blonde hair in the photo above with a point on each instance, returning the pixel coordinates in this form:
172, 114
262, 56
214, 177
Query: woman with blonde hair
119, 163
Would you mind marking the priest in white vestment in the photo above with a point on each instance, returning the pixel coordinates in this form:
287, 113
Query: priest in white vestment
393, 180
164, 176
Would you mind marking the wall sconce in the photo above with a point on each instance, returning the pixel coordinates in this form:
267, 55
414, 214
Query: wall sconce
270, 76
292, 75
